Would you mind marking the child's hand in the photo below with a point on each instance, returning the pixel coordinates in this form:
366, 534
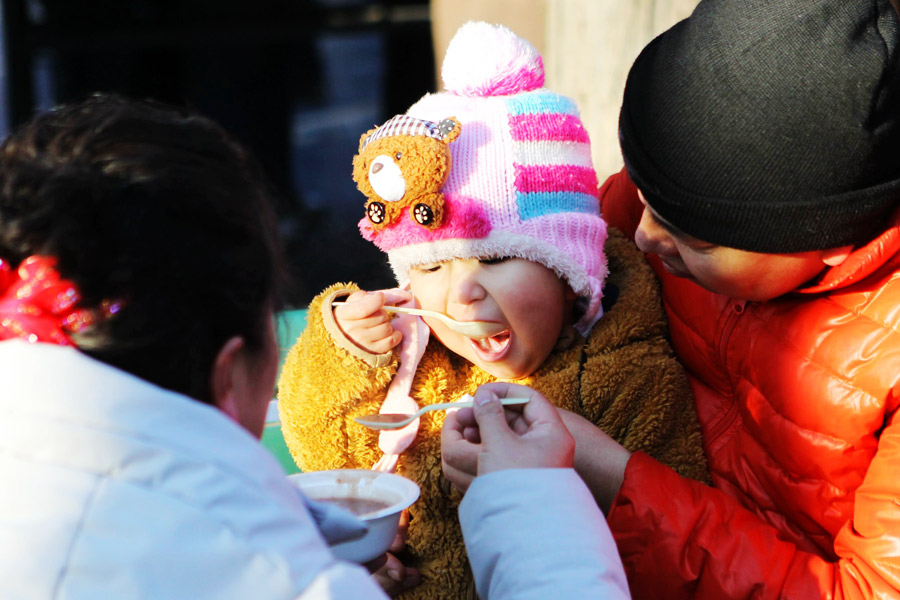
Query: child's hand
387, 570
489, 437
365, 323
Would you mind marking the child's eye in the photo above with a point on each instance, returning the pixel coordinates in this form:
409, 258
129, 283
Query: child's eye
494, 261
428, 268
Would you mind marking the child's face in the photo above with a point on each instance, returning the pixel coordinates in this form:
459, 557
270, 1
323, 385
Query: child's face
528, 298
728, 271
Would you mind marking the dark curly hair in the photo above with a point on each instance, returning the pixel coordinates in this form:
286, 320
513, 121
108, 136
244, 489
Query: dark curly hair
156, 207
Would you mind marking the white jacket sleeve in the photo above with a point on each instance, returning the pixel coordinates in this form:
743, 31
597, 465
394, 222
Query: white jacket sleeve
538, 533
342, 581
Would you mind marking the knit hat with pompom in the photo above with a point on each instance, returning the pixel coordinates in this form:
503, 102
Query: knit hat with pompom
521, 182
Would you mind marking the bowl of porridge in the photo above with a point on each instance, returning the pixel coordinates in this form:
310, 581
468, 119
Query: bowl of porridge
374, 497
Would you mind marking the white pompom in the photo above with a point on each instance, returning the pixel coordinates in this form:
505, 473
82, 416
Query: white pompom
490, 60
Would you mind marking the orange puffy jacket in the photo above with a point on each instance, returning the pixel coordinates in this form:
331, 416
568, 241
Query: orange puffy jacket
797, 398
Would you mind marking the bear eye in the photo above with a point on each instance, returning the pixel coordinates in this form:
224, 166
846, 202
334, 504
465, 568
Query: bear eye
398, 156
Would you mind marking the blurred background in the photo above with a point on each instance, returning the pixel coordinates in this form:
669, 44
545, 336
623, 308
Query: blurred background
298, 81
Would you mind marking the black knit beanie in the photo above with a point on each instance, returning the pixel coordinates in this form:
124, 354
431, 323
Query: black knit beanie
769, 125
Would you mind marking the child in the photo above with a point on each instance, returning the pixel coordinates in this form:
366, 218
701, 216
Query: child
763, 139
520, 242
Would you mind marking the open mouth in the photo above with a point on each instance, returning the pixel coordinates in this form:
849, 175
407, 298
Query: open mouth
492, 348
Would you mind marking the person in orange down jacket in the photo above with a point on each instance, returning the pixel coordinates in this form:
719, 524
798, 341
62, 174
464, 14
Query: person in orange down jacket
762, 150
764, 142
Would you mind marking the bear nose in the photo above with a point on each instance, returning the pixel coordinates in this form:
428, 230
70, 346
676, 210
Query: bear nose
377, 167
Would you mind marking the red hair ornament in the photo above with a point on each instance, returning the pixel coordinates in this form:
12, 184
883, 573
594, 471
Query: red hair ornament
37, 305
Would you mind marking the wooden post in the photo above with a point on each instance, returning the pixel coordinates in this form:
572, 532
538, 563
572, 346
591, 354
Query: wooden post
587, 45
589, 48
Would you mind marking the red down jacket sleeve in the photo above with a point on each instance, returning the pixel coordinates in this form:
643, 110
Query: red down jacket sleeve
681, 539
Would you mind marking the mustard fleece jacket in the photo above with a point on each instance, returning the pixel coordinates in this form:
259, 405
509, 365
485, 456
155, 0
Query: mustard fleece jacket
623, 377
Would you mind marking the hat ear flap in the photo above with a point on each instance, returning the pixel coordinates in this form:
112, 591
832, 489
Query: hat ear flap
362, 138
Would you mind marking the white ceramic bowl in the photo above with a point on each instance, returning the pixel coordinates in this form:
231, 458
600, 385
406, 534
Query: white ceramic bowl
396, 492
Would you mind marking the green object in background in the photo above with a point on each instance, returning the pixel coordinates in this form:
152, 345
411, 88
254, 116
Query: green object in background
288, 327
289, 324
273, 440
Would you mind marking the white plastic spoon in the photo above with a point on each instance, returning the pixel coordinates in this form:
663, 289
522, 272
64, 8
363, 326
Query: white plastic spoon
396, 421
473, 329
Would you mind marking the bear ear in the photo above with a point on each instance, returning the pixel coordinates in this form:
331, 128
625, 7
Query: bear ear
450, 129
362, 138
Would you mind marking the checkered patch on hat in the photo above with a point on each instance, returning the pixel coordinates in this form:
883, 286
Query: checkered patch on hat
406, 125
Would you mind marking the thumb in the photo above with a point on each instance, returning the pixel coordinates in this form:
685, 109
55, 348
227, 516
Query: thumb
491, 419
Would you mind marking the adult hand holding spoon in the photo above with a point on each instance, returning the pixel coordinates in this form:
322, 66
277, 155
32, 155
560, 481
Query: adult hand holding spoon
397, 421
487, 438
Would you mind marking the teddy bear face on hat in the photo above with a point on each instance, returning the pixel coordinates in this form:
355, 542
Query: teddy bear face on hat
402, 165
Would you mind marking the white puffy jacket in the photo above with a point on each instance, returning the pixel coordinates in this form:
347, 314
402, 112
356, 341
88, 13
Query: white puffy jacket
111, 487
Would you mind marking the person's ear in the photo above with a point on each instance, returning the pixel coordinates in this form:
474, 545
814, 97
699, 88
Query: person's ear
835, 256
223, 378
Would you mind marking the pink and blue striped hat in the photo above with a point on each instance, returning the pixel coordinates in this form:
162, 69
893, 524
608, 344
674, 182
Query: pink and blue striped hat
521, 182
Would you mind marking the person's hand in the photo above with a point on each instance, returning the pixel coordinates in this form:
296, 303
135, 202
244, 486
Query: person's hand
490, 437
599, 459
366, 324
388, 571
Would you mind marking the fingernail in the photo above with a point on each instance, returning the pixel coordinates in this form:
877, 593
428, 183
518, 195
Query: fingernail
395, 575
483, 399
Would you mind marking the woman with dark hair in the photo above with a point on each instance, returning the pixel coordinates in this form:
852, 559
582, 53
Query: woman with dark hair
140, 270
144, 206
